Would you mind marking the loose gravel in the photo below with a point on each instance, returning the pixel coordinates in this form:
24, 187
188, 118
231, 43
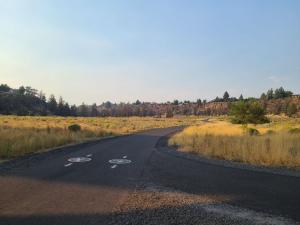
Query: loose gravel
154, 205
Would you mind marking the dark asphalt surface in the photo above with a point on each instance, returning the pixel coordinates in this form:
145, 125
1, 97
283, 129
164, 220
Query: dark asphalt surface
46, 191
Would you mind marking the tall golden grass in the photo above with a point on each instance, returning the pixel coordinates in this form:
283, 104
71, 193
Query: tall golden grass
21, 135
275, 146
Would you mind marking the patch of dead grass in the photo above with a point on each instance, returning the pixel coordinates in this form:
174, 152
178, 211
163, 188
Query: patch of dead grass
228, 141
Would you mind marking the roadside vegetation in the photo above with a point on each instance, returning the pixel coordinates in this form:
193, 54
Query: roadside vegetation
35, 122
24, 134
244, 112
272, 144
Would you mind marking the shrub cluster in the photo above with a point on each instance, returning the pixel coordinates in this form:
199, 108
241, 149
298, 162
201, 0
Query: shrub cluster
74, 128
294, 131
244, 112
252, 131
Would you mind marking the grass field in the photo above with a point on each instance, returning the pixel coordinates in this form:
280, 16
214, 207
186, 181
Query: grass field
277, 144
22, 135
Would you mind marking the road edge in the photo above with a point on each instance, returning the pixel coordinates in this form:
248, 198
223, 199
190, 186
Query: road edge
44, 153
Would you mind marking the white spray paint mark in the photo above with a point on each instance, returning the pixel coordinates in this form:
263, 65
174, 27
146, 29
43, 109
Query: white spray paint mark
89, 155
119, 161
125, 157
113, 166
69, 164
79, 159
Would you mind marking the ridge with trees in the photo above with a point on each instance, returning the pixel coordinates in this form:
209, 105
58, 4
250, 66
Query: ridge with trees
29, 101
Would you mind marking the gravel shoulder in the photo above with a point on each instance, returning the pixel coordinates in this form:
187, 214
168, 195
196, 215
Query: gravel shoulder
152, 204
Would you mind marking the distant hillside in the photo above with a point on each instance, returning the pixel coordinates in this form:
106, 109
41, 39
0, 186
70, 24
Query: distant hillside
289, 106
28, 101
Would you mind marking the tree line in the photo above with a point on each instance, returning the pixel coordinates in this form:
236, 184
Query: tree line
29, 101
276, 94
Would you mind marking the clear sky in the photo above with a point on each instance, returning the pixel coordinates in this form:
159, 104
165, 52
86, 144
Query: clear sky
154, 50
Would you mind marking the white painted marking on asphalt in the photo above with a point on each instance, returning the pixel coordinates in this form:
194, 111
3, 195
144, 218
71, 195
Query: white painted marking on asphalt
69, 164
89, 155
119, 161
113, 166
79, 159
125, 157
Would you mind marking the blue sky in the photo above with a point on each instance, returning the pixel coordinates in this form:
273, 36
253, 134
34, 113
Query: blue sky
158, 50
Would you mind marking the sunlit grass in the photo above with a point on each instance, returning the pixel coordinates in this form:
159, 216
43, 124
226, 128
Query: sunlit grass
275, 146
21, 135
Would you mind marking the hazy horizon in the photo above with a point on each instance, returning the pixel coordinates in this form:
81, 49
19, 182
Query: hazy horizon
154, 51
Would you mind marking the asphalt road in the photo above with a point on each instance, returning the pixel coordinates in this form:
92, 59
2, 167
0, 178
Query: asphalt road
52, 190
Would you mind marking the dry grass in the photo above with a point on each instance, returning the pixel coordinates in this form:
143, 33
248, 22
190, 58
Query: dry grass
21, 135
224, 140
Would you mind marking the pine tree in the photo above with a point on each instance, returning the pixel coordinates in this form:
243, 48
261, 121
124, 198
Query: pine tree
226, 96
52, 104
94, 110
270, 94
263, 96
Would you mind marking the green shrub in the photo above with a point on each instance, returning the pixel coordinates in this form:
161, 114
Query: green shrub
252, 131
291, 110
244, 112
270, 132
294, 151
74, 128
294, 131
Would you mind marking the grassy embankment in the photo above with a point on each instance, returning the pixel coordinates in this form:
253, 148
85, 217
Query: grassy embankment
278, 143
21, 135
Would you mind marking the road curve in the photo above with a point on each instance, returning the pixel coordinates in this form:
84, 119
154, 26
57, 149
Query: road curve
53, 190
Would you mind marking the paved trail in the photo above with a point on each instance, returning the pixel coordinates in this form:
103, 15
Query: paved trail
152, 186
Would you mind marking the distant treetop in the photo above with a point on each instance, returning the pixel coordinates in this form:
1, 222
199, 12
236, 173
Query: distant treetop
277, 94
4, 88
226, 96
